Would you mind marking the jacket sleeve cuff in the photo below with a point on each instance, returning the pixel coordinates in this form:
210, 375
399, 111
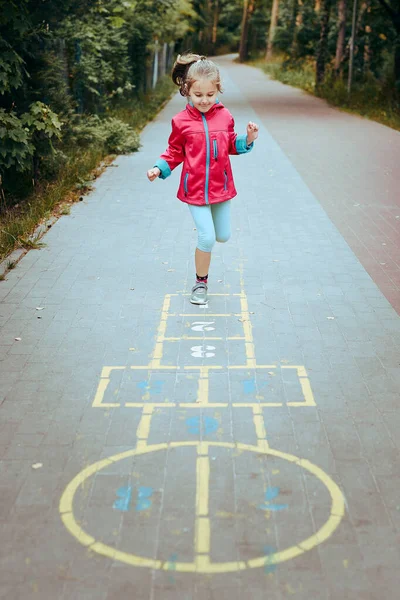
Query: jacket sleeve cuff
241, 146
164, 168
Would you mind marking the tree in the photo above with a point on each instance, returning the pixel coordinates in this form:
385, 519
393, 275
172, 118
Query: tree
272, 27
321, 56
341, 35
248, 8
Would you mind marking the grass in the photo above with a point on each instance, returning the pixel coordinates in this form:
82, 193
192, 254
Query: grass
18, 223
367, 99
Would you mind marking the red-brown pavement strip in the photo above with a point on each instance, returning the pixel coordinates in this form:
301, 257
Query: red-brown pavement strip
350, 164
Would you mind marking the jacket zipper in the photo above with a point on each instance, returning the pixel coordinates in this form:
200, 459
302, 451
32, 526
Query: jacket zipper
226, 181
207, 157
185, 184
215, 149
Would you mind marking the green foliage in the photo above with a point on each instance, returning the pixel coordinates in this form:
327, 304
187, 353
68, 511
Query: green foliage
42, 121
16, 149
113, 134
11, 68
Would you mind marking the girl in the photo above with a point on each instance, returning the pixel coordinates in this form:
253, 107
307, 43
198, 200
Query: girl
202, 138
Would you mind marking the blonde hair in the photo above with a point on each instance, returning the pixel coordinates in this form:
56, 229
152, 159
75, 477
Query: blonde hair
190, 67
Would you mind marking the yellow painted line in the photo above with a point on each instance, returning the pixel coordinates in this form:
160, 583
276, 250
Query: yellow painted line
204, 564
153, 404
143, 430
259, 424
247, 330
253, 366
203, 527
205, 338
150, 367
203, 387
161, 329
106, 371
202, 485
205, 314
102, 387
203, 535
98, 398
305, 386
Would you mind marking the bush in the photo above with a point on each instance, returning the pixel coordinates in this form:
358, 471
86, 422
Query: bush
113, 134
52, 165
119, 138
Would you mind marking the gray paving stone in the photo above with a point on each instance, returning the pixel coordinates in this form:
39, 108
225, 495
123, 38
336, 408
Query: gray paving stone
311, 304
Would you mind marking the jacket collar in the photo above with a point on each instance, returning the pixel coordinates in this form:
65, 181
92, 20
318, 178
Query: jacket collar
196, 114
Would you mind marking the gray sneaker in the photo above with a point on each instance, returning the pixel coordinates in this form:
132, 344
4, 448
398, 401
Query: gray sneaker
199, 293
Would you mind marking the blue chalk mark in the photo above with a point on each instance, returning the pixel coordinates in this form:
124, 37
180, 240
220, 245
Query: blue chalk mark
124, 500
143, 500
172, 566
193, 425
172, 562
153, 388
250, 387
269, 567
209, 423
271, 494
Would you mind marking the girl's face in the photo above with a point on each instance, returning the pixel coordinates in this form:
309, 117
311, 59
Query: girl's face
203, 94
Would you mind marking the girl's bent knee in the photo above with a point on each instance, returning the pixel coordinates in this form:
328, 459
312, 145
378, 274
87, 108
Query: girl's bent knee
206, 244
223, 238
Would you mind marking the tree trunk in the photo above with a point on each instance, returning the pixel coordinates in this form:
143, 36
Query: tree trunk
367, 50
341, 36
297, 21
323, 42
272, 27
317, 6
360, 16
248, 8
215, 23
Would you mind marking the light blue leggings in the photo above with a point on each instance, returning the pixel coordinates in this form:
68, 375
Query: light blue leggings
213, 223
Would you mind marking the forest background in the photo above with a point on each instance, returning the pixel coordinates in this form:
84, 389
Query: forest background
81, 78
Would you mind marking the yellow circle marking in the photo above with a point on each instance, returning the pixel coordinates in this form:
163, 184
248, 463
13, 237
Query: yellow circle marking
203, 565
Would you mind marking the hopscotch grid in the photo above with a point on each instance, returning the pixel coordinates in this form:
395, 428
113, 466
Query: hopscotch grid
202, 541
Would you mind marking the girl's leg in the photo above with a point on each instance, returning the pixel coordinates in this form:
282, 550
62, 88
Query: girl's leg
203, 220
221, 214
202, 261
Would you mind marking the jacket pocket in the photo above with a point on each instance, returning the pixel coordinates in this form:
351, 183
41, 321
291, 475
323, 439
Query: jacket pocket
215, 148
225, 181
185, 183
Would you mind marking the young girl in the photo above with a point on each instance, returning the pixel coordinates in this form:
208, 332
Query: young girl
202, 138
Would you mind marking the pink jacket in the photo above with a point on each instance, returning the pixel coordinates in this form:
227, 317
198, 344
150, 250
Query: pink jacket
203, 142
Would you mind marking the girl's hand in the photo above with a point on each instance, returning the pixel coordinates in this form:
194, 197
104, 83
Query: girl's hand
153, 173
252, 132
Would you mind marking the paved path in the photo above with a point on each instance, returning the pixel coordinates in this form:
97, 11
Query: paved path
156, 451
